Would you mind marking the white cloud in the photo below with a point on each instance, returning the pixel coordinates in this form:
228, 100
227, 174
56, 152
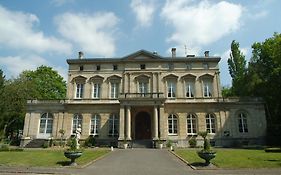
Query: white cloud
144, 11
94, 33
258, 15
18, 31
16, 64
61, 2
197, 24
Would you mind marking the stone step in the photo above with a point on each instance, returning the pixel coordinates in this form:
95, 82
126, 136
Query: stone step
142, 144
35, 143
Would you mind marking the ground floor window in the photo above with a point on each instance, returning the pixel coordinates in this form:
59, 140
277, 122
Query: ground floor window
191, 124
77, 122
46, 123
242, 123
210, 123
173, 124
95, 124
113, 125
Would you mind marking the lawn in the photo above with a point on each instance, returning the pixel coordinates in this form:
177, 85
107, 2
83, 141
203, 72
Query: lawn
236, 158
46, 158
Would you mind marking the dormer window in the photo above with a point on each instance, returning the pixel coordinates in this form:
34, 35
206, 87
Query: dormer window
205, 66
142, 66
171, 66
81, 68
188, 66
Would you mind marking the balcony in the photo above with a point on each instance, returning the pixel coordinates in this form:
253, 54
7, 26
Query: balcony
141, 96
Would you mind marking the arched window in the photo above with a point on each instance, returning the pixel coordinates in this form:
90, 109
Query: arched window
173, 124
191, 124
95, 124
211, 123
46, 123
113, 125
242, 122
77, 122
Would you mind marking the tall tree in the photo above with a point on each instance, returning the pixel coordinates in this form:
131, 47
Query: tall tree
47, 82
2, 81
237, 69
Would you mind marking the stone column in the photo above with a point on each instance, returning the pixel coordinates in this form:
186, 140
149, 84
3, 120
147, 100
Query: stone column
128, 122
155, 118
121, 123
163, 123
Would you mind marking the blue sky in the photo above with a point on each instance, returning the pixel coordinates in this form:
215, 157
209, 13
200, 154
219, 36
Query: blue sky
34, 33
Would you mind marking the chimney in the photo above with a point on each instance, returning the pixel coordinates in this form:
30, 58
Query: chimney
80, 55
206, 53
173, 52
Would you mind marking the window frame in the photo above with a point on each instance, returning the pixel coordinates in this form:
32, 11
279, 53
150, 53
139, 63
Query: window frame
79, 90
46, 119
191, 120
243, 123
95, 124
207, 88
96, 90
189, 89
172, 124
171, 89
114, 90
76, 121
113, 124
211, 122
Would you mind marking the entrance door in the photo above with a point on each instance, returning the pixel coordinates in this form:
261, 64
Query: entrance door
142, 126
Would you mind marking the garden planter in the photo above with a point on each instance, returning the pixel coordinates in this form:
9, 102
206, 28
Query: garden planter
207, 156
72, 155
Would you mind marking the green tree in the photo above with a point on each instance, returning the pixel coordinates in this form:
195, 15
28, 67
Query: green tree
2, 81
237, 69
47, 82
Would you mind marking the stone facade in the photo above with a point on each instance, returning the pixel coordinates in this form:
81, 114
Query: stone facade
144, 96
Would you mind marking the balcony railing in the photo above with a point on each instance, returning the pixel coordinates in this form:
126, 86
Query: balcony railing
141, 95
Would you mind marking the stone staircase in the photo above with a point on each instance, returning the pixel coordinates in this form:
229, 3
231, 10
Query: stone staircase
142, 144
35, 143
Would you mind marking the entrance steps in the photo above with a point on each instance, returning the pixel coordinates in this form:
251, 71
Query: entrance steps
142, 144
35, 143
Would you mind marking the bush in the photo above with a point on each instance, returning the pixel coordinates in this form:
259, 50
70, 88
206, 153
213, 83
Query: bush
90, 141
192, 142
4, 147
169, 143
45, 145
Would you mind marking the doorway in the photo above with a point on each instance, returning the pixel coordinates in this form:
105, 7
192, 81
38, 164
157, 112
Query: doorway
142, 126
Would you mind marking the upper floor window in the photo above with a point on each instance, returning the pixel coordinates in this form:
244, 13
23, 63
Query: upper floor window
191, 124
76, 122
171, 66
46, 123
189, 89
188, 66
173, 124
96, 90
210, 123
79, 90
115, 67
114, 86
143, 88
207, 88
242, 123
142, 66
171, 89
81, 68
113, 125
95, 124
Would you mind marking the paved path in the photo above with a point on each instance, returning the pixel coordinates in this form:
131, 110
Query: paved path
136, 162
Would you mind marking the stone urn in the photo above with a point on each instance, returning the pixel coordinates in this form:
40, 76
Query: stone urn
72, 155
207, 156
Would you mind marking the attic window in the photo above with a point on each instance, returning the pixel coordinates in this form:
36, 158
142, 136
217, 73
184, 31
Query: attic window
171, 66
205, 65
188, 66
142, 66
115, 67
98, 67
81, 68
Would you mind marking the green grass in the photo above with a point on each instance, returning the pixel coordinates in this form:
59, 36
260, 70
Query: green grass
236, 158
46, 158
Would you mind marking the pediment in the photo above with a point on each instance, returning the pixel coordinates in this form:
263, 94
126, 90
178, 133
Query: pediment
79, 78
207, 75
142, 55
96, 78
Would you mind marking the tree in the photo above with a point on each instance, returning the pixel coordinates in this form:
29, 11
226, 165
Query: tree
47, 82
237, 69
2, 81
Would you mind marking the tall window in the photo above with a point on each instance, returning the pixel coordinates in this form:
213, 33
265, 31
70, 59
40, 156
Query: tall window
207, 88
46, 123
114, 90
171, 89
242, 123
191, 124
113, 125
77, 122
79, 90
95, 124
189, 89
96, 90
143, 88
173, 124
210, 123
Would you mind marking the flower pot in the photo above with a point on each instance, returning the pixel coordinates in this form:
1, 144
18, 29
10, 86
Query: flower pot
207, 156
160, 145
125, 145
72, 155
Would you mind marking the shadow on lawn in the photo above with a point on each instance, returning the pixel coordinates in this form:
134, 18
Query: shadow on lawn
202, 165
64, 163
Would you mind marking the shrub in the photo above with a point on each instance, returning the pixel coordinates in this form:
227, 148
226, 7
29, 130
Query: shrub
192, 142
169, 143
4, 147
90, 141
45, 145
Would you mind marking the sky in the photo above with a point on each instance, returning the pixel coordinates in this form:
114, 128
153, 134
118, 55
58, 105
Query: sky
37, 32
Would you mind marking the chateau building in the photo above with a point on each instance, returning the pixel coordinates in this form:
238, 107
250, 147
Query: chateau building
144, 96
